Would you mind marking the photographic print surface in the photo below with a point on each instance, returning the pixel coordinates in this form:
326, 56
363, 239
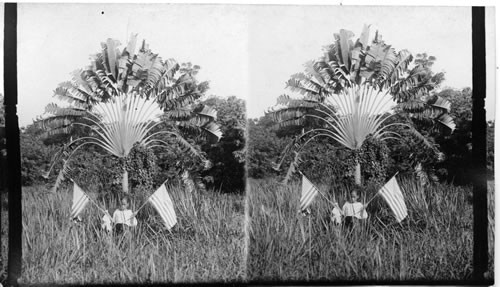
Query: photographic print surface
361, 168
189, 143
132, 130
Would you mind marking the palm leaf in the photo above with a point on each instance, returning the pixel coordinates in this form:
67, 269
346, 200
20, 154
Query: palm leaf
130, 50
447, 121
345, 45
180, 114
422, 138
288, 109
110, 51
213, 129
404, 59
66, 91
59, 120
442, 103
209, 112
365, 33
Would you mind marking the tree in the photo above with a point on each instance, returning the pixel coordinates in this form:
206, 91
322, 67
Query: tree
229, 154
457, 147
264, 146
115, 98
357, 77
35, 156
409, 155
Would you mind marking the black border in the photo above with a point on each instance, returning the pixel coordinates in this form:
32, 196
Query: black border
13, 147
480, 256
480, 203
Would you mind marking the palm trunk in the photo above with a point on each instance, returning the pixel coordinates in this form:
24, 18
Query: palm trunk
357, 173
125, 181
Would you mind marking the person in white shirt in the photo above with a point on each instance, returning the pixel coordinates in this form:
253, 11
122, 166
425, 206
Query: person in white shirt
124, 217
353, 209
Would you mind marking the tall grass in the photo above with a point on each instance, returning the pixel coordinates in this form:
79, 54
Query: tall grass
491, 230
207, 244
434, 243
4, 235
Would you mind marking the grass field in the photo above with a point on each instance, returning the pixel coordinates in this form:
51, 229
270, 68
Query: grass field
207, 245
4, 235
434, 244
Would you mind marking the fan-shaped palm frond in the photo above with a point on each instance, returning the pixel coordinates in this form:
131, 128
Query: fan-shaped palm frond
122, 123
361, 112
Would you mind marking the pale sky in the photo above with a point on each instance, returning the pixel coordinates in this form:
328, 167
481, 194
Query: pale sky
244, 50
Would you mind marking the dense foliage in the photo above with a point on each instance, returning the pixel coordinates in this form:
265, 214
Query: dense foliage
457, 147
228, 155
141, 162
35, 156
90, 168
94, 170
321, 160
374, 157
264, 147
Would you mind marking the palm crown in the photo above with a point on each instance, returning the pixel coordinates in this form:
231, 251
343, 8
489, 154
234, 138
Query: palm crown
116, 99
359, 81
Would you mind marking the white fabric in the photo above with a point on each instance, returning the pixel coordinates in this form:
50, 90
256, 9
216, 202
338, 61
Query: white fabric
163, 204
124, 217
354, 209
80, 200
106, 222
394, 197
309, 192
336, 216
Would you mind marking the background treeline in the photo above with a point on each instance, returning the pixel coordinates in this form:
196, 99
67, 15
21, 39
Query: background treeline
323, 158
96, 170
